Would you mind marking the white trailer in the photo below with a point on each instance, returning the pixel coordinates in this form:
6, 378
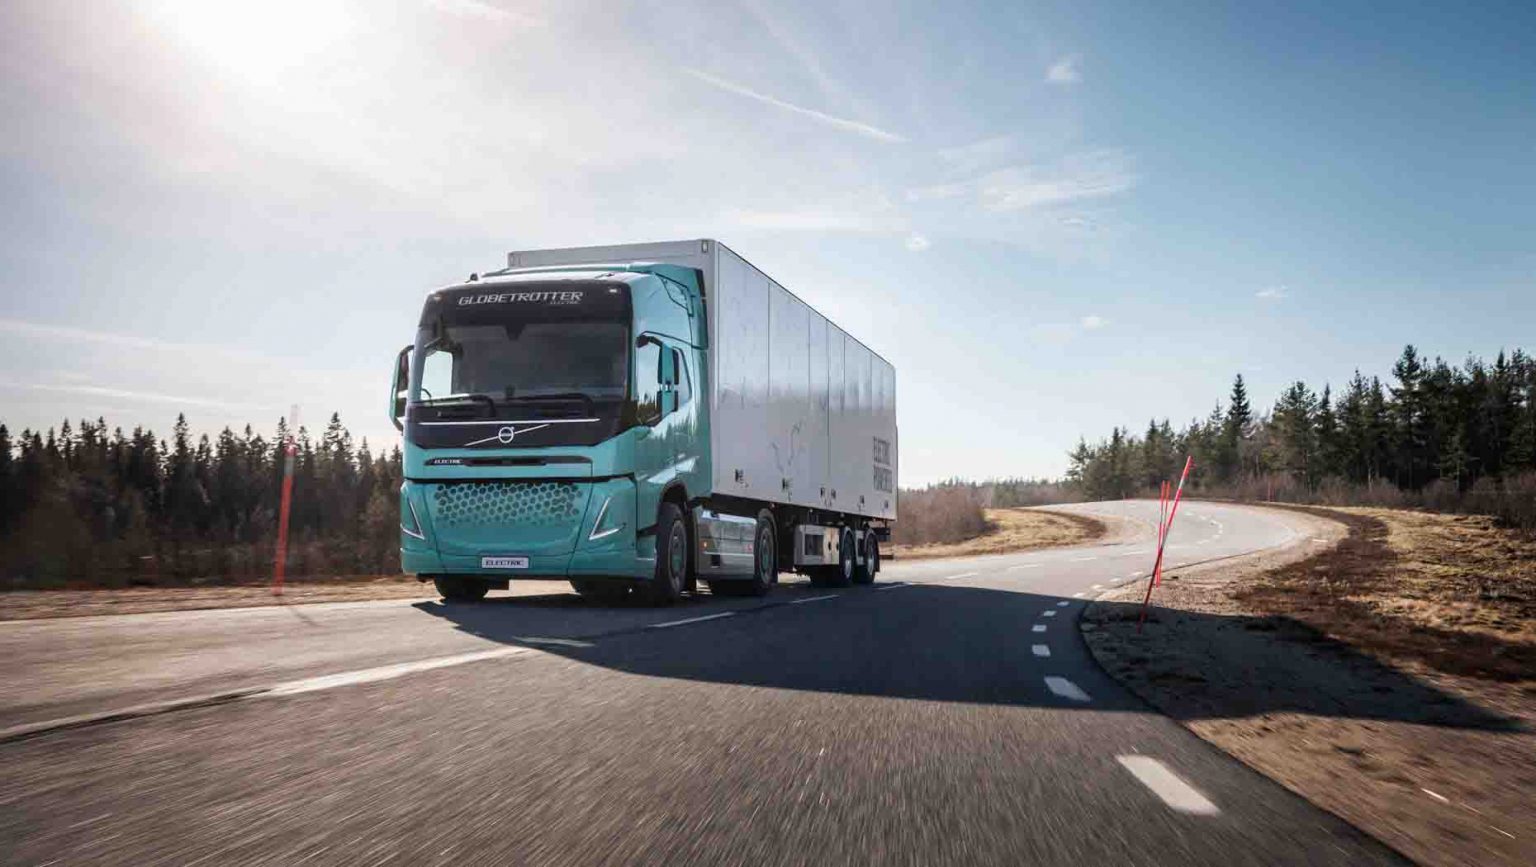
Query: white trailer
801, 413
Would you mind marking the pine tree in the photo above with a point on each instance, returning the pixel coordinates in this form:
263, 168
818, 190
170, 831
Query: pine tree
1330, 458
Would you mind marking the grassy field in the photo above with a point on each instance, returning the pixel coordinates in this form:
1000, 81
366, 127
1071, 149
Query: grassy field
1013, 530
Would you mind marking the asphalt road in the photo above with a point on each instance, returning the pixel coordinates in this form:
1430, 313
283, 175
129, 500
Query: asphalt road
948, 714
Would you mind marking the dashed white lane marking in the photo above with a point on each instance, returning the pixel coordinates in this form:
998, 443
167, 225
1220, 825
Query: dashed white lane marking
1041, 650
1132, 554
1039, 627
1315, 539
1167, 785
387, 672
1066, 689
1063, 604
1024, 566
953, 577
1436, 795
1051, 613
1078, 595
1134, 575
812, 599
1083, 559
1098, 586
893, 586
671, 623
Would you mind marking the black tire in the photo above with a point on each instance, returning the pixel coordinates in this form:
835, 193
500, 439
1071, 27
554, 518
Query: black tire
603, 591
666, 586
865, 574
765, 558
841, 575
455, 589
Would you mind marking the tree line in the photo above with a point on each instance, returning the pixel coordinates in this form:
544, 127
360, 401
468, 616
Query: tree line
85, 504
1457, 438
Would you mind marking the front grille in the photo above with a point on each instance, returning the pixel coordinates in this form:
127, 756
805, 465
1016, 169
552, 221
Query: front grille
522, 504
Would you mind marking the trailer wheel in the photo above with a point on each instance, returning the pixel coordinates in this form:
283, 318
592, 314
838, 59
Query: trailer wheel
865, 574
671, 556
455, 589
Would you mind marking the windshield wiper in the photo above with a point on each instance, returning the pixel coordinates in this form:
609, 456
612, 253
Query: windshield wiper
556, 397
447, 403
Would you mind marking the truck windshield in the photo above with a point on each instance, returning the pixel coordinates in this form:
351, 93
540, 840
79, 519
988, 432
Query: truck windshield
522, 363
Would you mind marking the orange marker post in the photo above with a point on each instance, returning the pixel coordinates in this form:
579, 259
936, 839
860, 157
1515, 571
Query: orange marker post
285, 503
1164, 527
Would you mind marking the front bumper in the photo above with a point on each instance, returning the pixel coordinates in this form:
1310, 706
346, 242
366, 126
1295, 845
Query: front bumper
605, 544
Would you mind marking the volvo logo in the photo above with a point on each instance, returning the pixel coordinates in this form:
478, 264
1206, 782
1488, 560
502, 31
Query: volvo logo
506, 434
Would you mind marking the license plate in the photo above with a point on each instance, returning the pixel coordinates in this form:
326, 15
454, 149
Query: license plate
503, 562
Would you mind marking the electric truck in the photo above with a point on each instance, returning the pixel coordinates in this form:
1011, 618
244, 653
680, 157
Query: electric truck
636, 419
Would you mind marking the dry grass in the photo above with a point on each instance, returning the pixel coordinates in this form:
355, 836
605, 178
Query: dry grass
1013, 530
1390, 678
35, 604
1456, 593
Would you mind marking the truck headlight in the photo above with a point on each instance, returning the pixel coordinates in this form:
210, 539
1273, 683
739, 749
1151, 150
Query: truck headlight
410, 525
607, 522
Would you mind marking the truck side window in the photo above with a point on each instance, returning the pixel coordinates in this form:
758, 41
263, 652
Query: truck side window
684, 383
647, 383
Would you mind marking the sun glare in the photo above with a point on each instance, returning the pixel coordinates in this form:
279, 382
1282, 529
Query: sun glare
256, 41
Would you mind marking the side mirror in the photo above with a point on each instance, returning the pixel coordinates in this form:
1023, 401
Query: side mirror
400, 389
666, 373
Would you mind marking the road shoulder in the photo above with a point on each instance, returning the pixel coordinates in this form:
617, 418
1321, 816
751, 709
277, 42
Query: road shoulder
1437, 765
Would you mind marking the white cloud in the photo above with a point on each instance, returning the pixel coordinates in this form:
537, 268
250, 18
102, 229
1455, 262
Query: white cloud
917, 243
841, 123
1090, 174
103, 391
1064, 71
812, 221
981, 154
481, 11
1092, 322
935, 192
1273, 293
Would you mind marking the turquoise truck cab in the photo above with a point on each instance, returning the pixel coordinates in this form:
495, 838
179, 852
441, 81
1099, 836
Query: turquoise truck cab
548, 416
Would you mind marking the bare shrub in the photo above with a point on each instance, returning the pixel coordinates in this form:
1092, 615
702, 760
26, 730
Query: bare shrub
942, 513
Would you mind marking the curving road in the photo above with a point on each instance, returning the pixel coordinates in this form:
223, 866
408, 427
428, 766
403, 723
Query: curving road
949, 714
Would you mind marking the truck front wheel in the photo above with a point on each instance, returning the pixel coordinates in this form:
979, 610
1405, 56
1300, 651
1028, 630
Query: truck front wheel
671, 556
455, 589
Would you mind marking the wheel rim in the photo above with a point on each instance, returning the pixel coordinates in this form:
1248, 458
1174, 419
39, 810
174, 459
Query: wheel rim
847, 562
765, 555
677, 556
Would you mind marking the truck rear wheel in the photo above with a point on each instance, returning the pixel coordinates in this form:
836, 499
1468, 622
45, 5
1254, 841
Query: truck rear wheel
455, 589
865, 574
671, 556
841, 575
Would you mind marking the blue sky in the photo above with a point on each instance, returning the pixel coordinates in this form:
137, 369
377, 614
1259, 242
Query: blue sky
1053, 218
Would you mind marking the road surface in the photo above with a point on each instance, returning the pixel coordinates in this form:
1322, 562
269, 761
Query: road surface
948, 714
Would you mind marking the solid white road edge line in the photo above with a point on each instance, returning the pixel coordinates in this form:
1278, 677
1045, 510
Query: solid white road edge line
812, 599
1167, 785
386, 672
1041, 650
953, 577
671, 623
1083, 559
1066, 689
1024, 566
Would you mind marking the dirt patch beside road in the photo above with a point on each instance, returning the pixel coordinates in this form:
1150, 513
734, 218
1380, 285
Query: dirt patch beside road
34, 604
1385, 673
1014, 530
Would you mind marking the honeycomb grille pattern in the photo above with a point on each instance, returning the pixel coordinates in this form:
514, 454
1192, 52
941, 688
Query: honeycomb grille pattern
523, 504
